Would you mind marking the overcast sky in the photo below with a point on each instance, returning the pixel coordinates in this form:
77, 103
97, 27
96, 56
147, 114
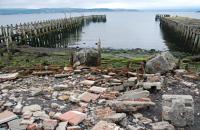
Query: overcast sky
132, 4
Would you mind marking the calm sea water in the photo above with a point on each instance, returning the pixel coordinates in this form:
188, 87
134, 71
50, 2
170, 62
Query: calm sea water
124, 30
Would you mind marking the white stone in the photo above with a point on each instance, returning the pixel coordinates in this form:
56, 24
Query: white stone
97, 89
87, 82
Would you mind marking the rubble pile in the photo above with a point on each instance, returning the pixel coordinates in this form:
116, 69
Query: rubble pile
94, 99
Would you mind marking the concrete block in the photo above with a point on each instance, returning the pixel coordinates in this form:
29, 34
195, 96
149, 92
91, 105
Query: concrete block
179, 109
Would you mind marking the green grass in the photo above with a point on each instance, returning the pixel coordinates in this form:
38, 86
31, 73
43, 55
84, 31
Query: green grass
110, 59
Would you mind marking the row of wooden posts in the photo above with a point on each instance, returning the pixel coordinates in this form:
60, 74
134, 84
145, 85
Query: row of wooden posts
44, 33
185, 30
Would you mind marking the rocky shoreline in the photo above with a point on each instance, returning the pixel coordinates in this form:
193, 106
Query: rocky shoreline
92, 98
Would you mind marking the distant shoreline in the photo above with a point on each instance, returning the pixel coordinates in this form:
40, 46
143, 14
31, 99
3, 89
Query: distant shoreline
59, 10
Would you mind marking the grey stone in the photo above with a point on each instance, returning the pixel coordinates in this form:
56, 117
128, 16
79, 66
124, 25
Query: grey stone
87, 57
161, 63
179, 109
18, 108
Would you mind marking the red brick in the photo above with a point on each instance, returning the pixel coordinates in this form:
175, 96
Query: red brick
73, 117
87, 97
32, 126
103, 112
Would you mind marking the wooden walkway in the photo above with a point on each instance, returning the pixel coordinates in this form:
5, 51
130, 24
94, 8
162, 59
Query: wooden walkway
186, 30
44, 32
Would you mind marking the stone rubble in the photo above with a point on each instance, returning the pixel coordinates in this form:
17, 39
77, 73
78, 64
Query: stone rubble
95, 99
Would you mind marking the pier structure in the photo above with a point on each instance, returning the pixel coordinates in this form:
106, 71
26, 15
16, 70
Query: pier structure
185, 30
158, 16
46, 32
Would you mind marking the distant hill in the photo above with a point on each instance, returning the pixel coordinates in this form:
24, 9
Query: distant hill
56, 10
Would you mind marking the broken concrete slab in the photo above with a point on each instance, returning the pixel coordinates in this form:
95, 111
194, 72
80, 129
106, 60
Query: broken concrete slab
150, 85
15, 125
179, 109
7, 116
10, 76
131, 95
163, 125
73, 117
129, 105
87, 97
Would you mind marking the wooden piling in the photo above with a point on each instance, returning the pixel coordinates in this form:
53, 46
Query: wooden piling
186, 30
44, 33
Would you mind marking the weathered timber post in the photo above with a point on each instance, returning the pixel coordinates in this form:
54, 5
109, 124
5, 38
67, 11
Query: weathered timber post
99, 52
